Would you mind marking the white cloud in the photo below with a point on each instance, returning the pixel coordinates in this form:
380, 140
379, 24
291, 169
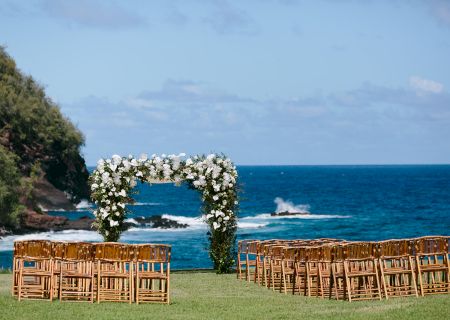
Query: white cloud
422, 85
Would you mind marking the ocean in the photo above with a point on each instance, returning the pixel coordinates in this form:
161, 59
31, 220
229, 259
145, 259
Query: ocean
349, 202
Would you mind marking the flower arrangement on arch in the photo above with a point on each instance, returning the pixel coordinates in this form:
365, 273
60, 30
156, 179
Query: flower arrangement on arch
214, 176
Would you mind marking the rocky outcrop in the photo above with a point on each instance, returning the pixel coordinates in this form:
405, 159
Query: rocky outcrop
47, 197
287, 213
157, 222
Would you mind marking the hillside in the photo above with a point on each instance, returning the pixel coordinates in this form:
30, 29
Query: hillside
40, 160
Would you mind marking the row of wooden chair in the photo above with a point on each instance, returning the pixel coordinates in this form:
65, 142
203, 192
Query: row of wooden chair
81, 271
348, 270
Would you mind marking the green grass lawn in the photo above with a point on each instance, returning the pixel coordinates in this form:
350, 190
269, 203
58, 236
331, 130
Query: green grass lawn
210, 296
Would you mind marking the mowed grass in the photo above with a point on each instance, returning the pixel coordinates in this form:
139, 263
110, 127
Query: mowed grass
210, 296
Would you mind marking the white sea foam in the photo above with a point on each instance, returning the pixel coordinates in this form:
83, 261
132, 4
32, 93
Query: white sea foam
192, 222
289, 206
131, 220
6, 243
251, 225
268, 216
146, 204
83, 205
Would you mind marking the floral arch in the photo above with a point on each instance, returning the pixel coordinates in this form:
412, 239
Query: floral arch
214, 176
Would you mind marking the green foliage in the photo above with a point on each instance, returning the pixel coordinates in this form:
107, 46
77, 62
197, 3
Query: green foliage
10, 185
32, 127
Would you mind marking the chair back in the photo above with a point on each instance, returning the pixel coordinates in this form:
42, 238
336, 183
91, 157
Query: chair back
79, 251
37, 249
159, 253
112, 251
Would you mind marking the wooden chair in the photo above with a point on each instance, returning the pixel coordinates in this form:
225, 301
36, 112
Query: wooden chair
398, 278
318, 270
247, 259
433, 268
300, 283
153, 273
35, 271
114, 270
58, 249
288, 269
275, 269
339, 284
76, 272
361, 272
17, 256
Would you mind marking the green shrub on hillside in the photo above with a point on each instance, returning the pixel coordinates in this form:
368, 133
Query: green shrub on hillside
33, 128
10, 185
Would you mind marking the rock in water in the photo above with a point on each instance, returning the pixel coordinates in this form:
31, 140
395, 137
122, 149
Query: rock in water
287, 213
158, 222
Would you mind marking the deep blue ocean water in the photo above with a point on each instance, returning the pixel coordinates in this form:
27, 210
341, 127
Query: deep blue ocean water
349, 202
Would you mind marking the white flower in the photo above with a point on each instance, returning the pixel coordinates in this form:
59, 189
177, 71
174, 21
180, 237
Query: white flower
226, 218
123, 193
139, 174
216, 197
94, 186
209, 216
116, 159
113, 223
189, 162
143, 157
120, 204
216, 225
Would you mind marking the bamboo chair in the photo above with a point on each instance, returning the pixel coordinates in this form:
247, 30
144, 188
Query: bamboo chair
433, 267
318, 270
300, 282
247, 259
35, 271
275, 269
288, 269
398, 278
312, 271
58, 249
265, 252
324, 269
153, 273
17, 256
339, 284
114, 272
76, 272
361, 272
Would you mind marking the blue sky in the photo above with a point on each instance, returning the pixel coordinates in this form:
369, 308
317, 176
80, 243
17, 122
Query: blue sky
266, 82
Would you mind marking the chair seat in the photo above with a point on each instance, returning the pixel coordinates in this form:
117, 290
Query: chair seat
152, 274
398, 270
36, 273
433, 267
76, 274
114, 274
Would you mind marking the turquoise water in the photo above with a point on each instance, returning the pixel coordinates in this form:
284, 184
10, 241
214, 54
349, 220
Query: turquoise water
350, 202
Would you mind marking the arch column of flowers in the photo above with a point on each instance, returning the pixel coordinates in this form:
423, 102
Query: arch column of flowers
214, 176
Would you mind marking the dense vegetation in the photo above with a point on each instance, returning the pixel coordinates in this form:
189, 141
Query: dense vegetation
35, 140
211, 296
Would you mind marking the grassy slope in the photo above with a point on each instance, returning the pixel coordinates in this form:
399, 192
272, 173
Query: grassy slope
210, 296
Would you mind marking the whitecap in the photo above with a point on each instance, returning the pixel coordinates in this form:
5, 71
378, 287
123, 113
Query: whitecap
83, 205
146, 204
